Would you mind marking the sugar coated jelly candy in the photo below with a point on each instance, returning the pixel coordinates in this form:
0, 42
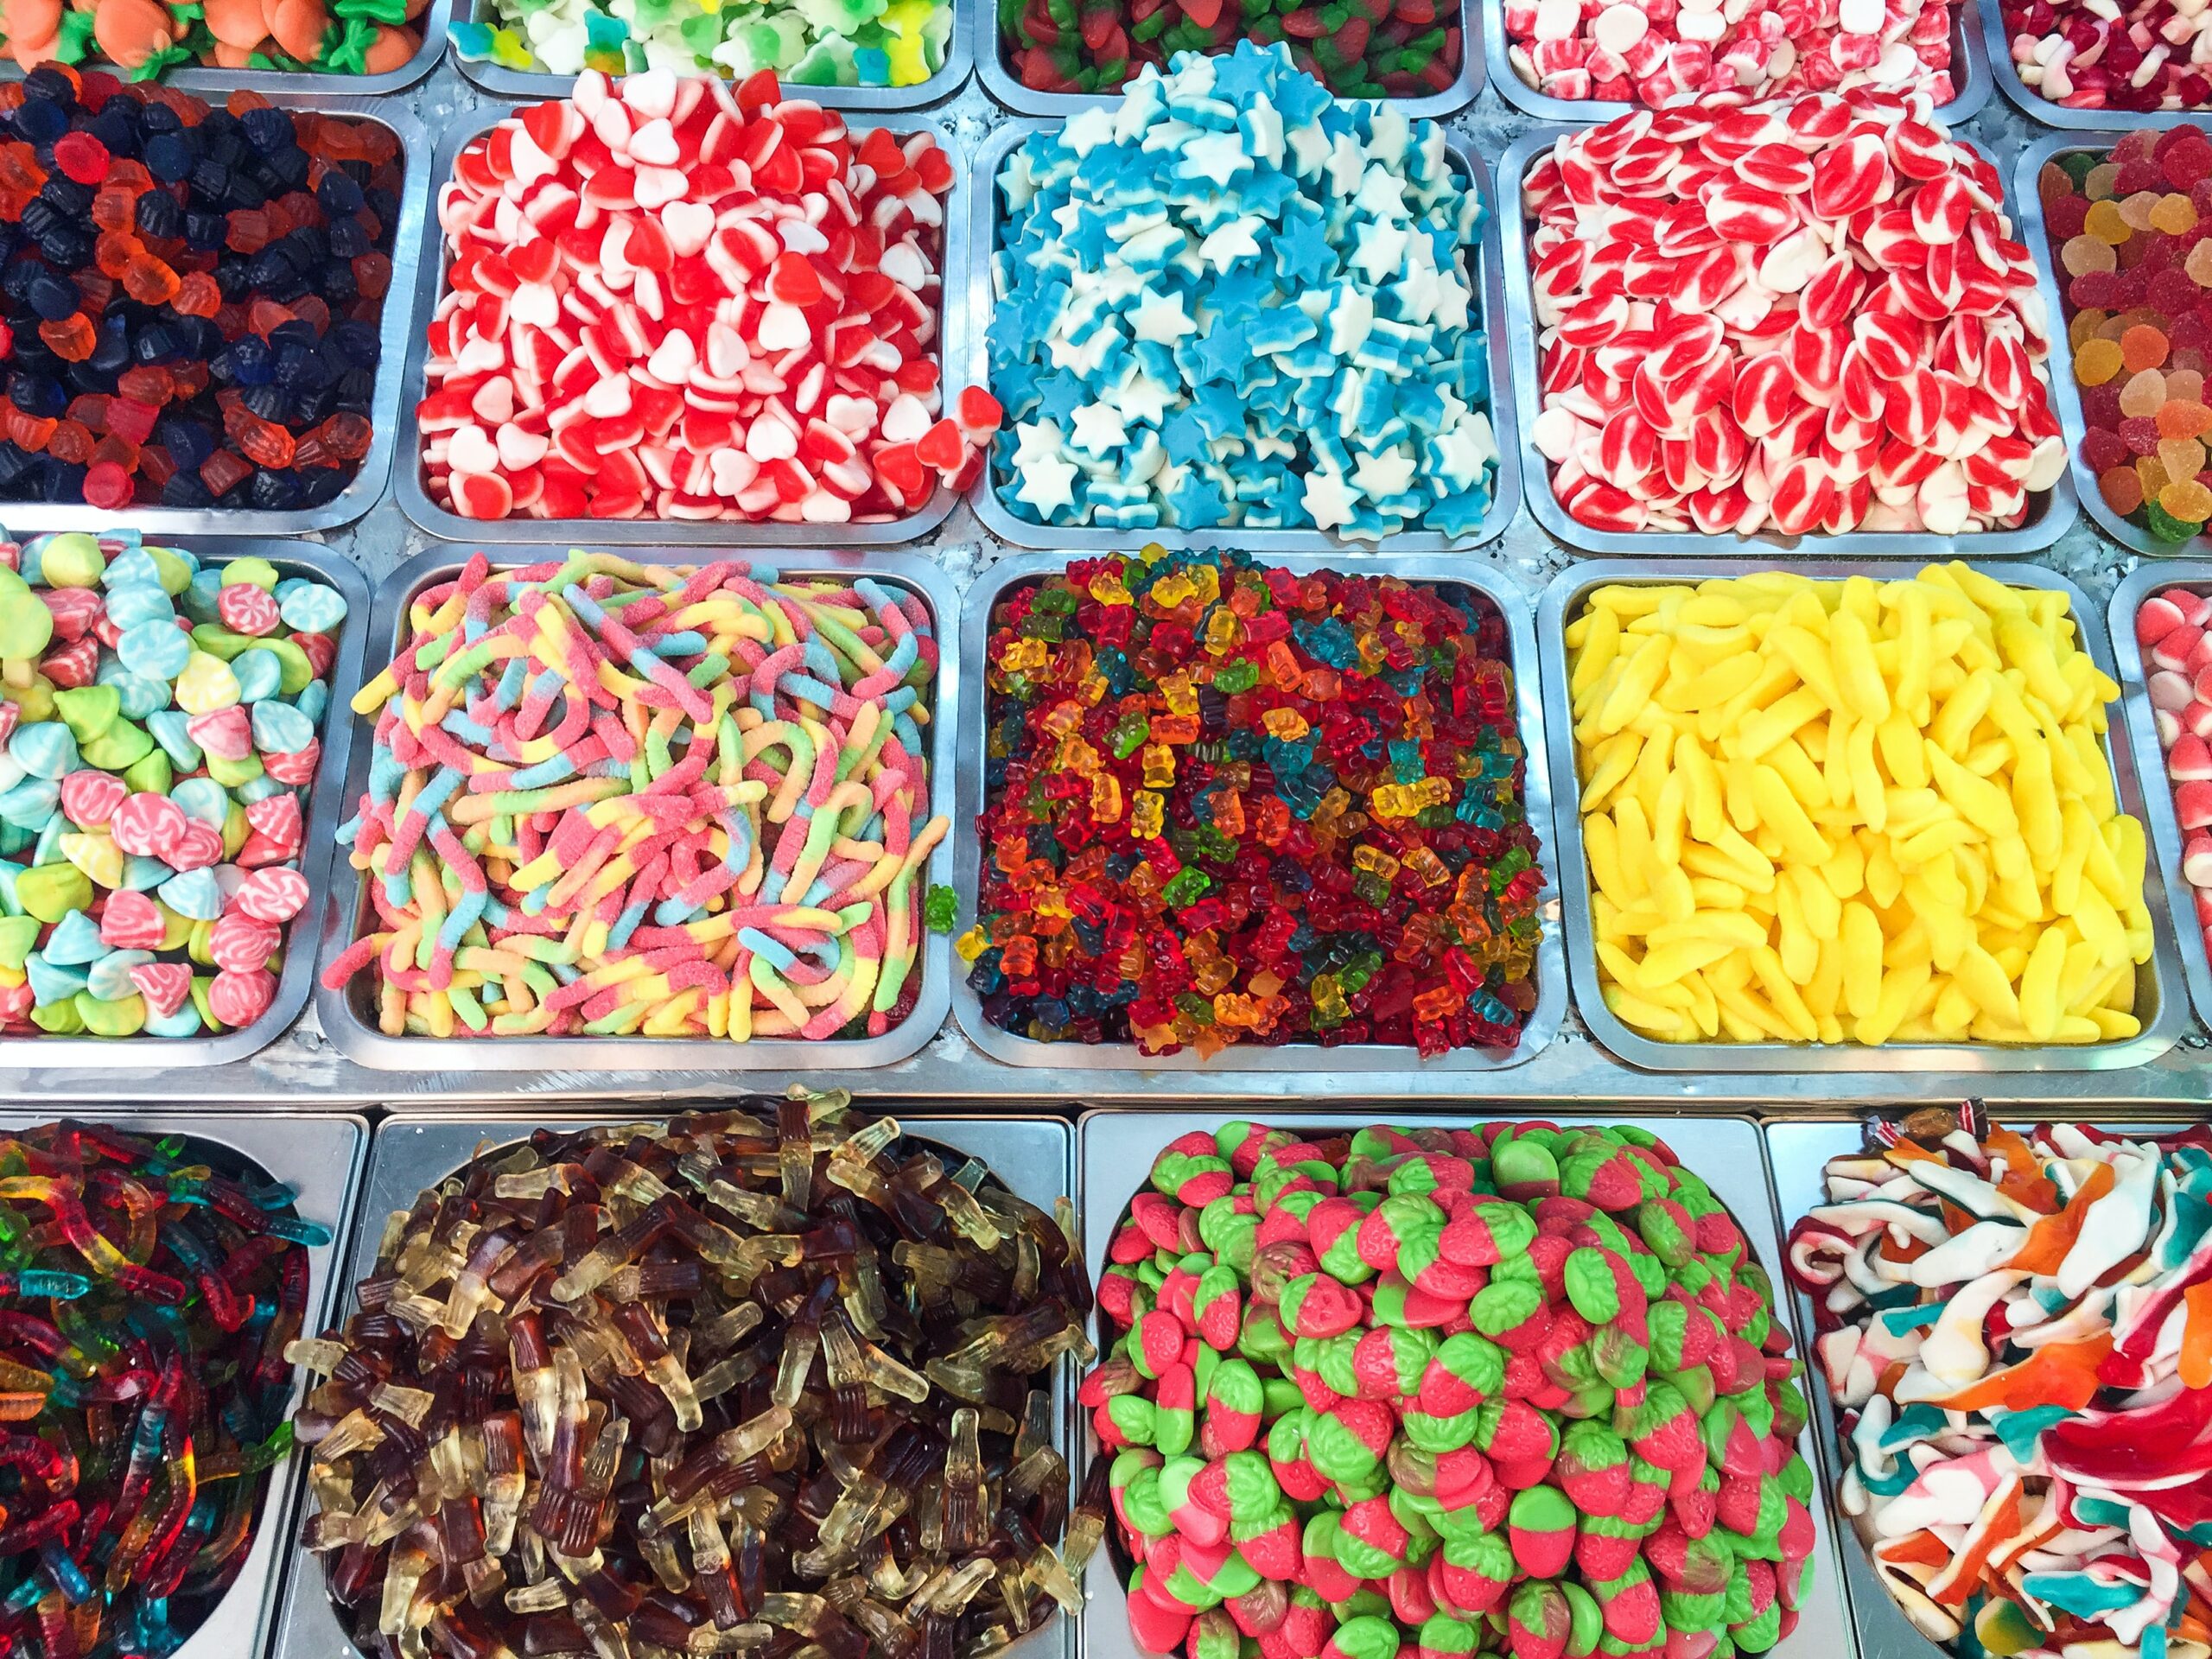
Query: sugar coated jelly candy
817, 1413
870, 44
1275, 879
1996, 1425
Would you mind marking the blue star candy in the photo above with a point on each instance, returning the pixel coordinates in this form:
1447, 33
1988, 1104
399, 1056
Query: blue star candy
1196, 502
1239, 295
1183, 437
1060, 395
1217, 411
1302, 250
1223, 354
1245, 76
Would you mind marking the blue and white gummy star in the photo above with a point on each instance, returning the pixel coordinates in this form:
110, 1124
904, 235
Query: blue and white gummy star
1234, 301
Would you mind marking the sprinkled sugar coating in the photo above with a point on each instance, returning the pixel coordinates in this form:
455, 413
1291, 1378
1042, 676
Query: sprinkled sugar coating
2017, 1329
1434, 1392
158, 737
1294, 340
609, 798
1804, 317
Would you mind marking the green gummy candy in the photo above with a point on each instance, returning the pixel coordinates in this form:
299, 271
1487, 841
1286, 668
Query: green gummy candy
1523, 1162
124, 744
59, 1019
1540, 1508
88, 710
124, 1017
1586, 1620
52, 891
18, 939
1501, 1306
1590, 1286
259, 572
1366, 1638
151, 773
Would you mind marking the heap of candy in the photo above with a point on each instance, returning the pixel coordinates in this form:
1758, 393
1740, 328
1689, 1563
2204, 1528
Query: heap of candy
157, 743
360, 37
2125, 55
610, 797
815, 43
1805, 317
1512, 1388
2170, 627
709, 1386
684, 300
2017, 1332
1292, 339
1670, 51
2125, 236
1854, 812
148, 1301
1230, 804
1374, 48
189, 301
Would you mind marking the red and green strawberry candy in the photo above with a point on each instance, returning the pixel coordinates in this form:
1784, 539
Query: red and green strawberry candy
1433, 1393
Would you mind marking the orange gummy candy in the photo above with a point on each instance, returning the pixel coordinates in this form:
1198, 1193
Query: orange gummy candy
2098, 361
2121, 489
2143, 347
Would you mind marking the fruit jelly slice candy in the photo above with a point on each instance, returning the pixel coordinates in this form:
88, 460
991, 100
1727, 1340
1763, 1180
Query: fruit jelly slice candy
2145, 392
2137, 209
2121, 490
2151, 472
2172, 292
2103, 451
2106, 223
2173, 214
2085, 325
2143, 348
2186, 501
2083, 254
2183, 416
2098, 361
2140, 435
2063, 218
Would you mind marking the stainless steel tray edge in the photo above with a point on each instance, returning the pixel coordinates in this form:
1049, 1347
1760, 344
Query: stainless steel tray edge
2046, 523
318, 819
1114, 1147
2037, 107
2166, 837
2160, 1032
1239, 1066
500, 81
413, 1150
1007, 90
983, 498
323, 1156
429, 278
347, 890
1970, 70
367, 486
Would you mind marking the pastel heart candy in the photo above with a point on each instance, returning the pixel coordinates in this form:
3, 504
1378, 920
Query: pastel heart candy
51, 980
277, 817
165, 985
124, 1016
18, 937
171, 728
51, 892
246, 608
75, 940
96, 854
296, 767
72, 559
239, 943
138, 695
131, 921
197, 847
193, 894
138, 605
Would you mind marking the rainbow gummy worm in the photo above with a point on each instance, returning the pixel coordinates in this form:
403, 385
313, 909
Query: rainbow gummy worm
609, 798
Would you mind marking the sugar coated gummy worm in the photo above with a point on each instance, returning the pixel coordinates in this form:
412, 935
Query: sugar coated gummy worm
148, 1307
715, 1385
611, 797
1513, 1389
2016, 1329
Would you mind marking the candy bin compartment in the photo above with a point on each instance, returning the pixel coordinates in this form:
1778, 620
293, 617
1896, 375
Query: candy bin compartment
320, 1157
1505, 499
2158, 998
2049, 514
368, 483
320, 816
1031, 1157
214, 85
1117, 1148
1798, 1152
1003, 81
1970, 71
2067, 389
2161, 804
503, 80
349, 1016
2006, 74
1487, 584
411, 484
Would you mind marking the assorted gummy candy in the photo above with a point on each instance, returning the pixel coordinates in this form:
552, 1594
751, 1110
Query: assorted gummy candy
814, 43
1228, 804
1419, 1393
158, 738
2129, 235
1360, 48
144, 37
189, 296
148, 1290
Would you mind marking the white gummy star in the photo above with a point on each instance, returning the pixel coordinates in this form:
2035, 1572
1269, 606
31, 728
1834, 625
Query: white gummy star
1381, 250
1386, 474
1048, 485
1327, 499
1089, 129
1098, 429
1233, 241
1217, 156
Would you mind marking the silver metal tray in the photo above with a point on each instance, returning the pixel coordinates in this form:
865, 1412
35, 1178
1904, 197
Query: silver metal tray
320, 1157
2113, 123
320, 817
1033, 1157
2049, 515
1969, 75
2166, 837
1505, 497
1797, 1151
2159, 982
502, 82
1302, 1060
368, 484
1115, 1148
1006, 87
215, 84
348, 1016
428, 277
2067, 394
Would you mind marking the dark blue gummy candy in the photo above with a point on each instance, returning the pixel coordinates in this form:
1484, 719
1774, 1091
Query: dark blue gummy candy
184, 490
62, 483
160, 118
189, 442
204, 231
271, 402
268, 128
272, 492
159, 215
245, 362
170, 156
54, 298
156, 343
339, 194
354, 343
36, 395
40, 121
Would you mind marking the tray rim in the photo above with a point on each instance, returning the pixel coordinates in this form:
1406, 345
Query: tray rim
2159, 1034
359, 1041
